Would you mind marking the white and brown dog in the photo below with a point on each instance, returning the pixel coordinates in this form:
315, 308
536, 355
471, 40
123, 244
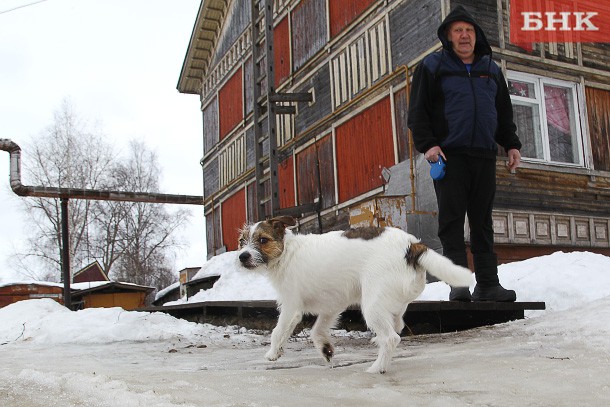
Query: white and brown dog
380, 269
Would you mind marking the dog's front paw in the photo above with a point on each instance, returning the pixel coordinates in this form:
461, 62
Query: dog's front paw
273, 354
377, 368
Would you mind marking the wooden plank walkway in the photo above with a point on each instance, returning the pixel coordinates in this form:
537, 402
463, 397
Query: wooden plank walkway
421, 316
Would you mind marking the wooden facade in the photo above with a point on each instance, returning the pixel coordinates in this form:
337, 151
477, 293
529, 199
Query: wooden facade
91, 272
350, 144
89, 294
14, 292
127, 301
110, 294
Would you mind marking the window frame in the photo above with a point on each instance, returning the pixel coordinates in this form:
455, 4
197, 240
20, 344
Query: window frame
574, 88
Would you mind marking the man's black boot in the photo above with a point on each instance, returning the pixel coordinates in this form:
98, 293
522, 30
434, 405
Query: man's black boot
459, 293
488, 286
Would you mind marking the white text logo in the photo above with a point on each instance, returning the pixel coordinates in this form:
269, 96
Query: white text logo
564, 21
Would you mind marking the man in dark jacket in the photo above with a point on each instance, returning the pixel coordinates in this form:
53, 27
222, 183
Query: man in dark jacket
460, 109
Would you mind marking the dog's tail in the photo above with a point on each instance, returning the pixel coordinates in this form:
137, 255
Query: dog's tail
438, 265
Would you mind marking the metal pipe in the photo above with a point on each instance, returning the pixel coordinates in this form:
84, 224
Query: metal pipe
76, 193
65, 253
410, 137
411, 150
64, 194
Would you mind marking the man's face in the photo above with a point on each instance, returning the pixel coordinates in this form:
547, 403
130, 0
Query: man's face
463, 38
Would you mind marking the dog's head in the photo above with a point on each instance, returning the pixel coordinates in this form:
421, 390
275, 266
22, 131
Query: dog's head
263, 242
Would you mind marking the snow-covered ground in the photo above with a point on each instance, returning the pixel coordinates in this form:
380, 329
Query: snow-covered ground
110, 357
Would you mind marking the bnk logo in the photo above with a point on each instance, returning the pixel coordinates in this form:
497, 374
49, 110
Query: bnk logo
559, 21
564, 21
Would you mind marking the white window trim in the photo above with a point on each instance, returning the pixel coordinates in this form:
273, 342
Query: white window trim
538, 82
232, 160
360, 64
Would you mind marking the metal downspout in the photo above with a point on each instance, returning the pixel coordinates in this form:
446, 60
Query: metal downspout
411, 150
76, 193
410, 138
65, 253
64, 194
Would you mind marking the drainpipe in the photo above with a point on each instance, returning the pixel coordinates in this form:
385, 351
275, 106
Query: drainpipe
65, 253
76, 193
410, 138
413, 193
64, 194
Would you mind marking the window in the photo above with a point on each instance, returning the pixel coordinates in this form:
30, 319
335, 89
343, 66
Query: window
547, 119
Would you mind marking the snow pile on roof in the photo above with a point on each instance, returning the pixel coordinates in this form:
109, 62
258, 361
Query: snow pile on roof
166, 290
235, 283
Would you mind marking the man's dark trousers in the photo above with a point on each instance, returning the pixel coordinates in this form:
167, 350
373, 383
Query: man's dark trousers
468, 188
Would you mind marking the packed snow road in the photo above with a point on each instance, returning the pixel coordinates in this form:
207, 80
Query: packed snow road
506, 365
99, 357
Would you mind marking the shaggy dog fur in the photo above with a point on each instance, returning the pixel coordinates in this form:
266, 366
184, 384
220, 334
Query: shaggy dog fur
380, 269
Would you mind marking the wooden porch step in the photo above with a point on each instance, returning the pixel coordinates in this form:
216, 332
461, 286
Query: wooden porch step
422, 317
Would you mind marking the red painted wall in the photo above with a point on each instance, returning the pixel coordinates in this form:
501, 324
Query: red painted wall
230, 104
92, 272
343, 12
233, 218
364, 146
281, 51
316, 158
286, 183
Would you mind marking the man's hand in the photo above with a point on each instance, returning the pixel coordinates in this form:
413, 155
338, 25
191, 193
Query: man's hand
514, 159
432, 154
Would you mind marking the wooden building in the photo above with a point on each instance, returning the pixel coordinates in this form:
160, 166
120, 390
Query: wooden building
186, 275
107, 294
91, 272
90, 288
19, 291
84, 295
341, 155
200, 284
184, 290
93, 289
170, 293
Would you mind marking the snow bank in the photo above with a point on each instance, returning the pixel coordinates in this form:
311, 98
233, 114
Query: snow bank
578, 282
46, 321
562, 280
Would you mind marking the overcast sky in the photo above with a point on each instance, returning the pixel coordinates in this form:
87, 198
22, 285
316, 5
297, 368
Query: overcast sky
118, 62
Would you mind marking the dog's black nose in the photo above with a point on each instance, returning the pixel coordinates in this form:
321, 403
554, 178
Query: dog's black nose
244, 257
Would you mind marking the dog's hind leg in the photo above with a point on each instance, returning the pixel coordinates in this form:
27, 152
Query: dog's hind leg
382, 323
286, 323
399, 322
320, 334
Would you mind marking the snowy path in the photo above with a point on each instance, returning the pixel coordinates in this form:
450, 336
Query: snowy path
505, 365
50, 356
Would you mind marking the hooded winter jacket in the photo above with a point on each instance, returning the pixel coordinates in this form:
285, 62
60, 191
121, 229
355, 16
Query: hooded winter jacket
461, 111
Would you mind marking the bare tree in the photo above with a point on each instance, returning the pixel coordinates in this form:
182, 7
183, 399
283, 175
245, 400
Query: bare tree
132, 241
138, 245
67, 154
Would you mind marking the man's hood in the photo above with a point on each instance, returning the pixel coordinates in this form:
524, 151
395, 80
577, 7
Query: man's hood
459, 13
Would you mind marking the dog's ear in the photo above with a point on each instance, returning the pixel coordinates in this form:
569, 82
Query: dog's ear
280, 222
242, 234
